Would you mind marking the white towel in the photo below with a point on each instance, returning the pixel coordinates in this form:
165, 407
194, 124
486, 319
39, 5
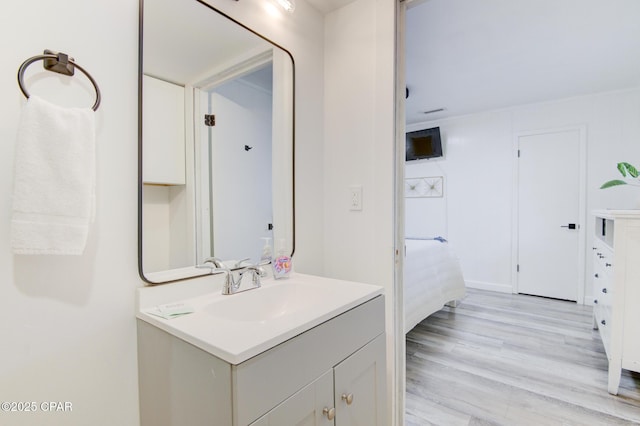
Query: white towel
54, 186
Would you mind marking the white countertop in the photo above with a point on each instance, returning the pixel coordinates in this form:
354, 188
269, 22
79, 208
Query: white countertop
240, 333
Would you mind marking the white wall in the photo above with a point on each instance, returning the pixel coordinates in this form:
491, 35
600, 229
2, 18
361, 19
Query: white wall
359, 149
475, 214
67, 323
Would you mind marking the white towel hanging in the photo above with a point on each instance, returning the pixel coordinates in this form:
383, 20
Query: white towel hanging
54, 186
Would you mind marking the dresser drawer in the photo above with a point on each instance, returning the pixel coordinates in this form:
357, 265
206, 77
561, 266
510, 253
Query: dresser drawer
603, 320
603, 288
603, 257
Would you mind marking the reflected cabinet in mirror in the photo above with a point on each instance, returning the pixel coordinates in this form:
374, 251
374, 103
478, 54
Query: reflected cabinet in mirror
216, 141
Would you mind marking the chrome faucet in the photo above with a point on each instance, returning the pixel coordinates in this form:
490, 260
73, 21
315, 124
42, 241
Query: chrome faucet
231, 285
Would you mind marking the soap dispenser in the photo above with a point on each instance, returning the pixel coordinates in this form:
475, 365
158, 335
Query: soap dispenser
266, 255
282, 263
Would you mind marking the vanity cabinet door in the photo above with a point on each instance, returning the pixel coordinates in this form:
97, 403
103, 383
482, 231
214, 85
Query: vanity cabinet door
305, 407
360, 386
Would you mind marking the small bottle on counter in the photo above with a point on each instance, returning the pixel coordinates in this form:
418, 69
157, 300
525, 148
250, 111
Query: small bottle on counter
282, 263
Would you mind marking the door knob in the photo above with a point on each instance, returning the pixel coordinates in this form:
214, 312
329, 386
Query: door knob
347, 398
570, 226
329, 412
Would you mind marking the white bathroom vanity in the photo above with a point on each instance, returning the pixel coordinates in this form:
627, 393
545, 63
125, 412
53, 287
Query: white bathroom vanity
306, 350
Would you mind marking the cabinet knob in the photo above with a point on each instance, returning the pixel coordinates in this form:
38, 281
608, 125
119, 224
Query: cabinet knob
596, 275
347, 398
604, 290
603, 322
329, 412
607, 264
595, 301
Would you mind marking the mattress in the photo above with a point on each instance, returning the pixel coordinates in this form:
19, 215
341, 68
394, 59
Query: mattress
432, 278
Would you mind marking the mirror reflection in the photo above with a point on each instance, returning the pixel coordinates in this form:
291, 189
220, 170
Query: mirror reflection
216, 141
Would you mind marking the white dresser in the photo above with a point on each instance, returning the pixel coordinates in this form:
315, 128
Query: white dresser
616, 289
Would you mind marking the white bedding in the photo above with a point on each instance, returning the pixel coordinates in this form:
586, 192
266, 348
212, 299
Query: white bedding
432, 278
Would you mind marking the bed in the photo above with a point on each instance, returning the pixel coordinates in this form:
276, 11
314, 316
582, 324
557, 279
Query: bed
432, 278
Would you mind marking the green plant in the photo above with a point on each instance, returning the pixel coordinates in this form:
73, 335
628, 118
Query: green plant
625, 170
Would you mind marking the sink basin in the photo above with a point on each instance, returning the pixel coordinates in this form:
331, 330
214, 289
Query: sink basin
237, 327
266, 303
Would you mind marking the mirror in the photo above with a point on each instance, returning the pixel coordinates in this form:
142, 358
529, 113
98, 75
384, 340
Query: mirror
216, 127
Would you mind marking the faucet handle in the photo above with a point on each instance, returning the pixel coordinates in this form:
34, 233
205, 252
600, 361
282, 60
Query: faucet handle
211, 263
257, 272
239, 262
217, 263
260, 271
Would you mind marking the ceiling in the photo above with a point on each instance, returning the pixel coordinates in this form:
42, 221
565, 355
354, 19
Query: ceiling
326, 6
185, 42
468, 56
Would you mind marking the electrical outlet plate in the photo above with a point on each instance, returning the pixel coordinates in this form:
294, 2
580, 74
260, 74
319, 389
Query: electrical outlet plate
355, 197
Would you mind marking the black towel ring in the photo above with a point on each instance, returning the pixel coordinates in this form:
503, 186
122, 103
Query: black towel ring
60, 63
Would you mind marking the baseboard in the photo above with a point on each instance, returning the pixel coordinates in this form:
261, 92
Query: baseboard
504, 288
480, 285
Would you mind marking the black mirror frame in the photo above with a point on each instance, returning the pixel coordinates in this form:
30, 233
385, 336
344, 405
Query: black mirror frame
140, 182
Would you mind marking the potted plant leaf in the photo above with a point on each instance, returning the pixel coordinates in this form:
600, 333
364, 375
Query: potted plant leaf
625, 170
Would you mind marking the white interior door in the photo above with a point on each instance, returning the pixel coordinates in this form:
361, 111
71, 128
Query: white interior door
549, 214
241, 164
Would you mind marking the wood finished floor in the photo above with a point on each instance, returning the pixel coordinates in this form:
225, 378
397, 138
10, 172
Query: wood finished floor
503, 359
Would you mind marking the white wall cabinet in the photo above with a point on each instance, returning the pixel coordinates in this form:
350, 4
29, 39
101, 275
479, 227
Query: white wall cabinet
616, 289
163, 132
332, 374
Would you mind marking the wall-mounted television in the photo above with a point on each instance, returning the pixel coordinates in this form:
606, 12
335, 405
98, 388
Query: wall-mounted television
423, 144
